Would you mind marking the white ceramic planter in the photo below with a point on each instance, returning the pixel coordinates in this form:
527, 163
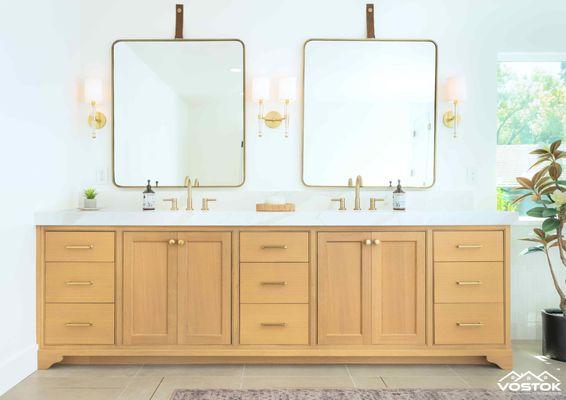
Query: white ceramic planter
89, 203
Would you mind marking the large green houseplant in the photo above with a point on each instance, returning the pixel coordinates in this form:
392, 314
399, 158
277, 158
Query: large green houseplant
547, 191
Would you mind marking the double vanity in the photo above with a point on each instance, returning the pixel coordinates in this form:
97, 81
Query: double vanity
298, 287
246, 287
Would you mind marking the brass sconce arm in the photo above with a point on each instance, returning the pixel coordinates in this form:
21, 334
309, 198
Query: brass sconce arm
96, 119
451, 118
273, 119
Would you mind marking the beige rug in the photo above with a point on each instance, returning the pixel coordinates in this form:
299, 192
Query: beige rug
358, 394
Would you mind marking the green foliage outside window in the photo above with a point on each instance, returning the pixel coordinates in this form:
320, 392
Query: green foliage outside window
531, 109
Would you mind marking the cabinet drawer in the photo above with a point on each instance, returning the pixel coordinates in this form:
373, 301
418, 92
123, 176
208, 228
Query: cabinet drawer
274, 246
79, 246
468, 282
79, 282
473, 323
468, 246
79, 324
274, 324
274, 283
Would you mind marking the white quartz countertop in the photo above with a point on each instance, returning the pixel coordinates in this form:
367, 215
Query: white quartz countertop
252, 218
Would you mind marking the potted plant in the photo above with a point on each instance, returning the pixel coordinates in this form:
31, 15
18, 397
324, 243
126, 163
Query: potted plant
547, 191
90, 198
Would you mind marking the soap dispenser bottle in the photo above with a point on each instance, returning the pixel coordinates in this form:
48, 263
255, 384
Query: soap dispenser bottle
399, 198
149, 199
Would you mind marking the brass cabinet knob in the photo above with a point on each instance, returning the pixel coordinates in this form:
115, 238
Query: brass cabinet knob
376, 241
367, 242
181, 242
172, 242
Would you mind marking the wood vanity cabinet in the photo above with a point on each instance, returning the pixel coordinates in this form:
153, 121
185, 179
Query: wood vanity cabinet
423, 294
371, 288
177, 287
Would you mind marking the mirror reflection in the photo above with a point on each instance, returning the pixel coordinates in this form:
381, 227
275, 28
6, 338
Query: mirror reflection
369, 109
178, 111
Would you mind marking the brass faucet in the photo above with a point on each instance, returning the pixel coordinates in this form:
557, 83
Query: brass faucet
357, 205
190, 185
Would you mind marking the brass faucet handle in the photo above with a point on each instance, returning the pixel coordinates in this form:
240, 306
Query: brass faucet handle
205, 202
350, 182
197, 183
373, 201
174, 203
342, 202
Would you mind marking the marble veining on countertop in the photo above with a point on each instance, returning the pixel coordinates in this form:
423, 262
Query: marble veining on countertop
110, 217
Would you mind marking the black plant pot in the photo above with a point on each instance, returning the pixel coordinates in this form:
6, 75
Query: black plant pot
554, 334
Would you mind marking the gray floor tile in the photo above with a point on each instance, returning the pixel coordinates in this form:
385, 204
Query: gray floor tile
368, 382
191, 370
140, 388
288, 382
401, 370
295, 370
90, 370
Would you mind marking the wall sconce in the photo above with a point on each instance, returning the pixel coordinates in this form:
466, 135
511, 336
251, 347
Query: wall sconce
93, 95
454, 92
261, 93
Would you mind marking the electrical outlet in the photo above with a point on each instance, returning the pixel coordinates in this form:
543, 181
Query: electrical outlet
101, 175
471, 175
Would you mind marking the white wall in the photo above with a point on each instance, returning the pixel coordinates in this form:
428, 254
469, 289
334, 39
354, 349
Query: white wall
469, 34
48, 156
39, 57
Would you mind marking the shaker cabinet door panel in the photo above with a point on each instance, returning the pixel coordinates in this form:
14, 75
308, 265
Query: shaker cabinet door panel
150, 288
344, 268
204, 287
398, 288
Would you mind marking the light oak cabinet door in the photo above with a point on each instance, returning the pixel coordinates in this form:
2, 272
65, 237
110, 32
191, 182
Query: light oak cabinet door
150, 288
204, 287
398, 287
344, 285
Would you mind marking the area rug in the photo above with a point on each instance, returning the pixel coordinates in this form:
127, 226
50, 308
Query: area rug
359, 394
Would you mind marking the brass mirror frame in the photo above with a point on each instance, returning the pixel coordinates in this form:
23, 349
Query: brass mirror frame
243, 110
435, 109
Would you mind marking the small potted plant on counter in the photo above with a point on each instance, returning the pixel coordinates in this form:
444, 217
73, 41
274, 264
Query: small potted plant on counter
547, 191
90, 198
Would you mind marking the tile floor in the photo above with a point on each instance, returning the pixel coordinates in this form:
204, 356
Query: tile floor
156, 382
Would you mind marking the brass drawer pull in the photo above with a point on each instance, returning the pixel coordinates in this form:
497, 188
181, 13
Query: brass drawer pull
275, 283
79, 324
469, 246
469, 283
274, 246
470, 324
79, 283
279, 324
80, 247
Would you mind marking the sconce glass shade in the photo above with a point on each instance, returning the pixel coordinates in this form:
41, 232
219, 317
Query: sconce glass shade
455, 89
287, 89
260, 89
92, 90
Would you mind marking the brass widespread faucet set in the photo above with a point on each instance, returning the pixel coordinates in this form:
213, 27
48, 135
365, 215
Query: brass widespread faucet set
190, 185
357, 200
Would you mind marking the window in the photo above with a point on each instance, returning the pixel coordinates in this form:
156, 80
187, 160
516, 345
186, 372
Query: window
531, 110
